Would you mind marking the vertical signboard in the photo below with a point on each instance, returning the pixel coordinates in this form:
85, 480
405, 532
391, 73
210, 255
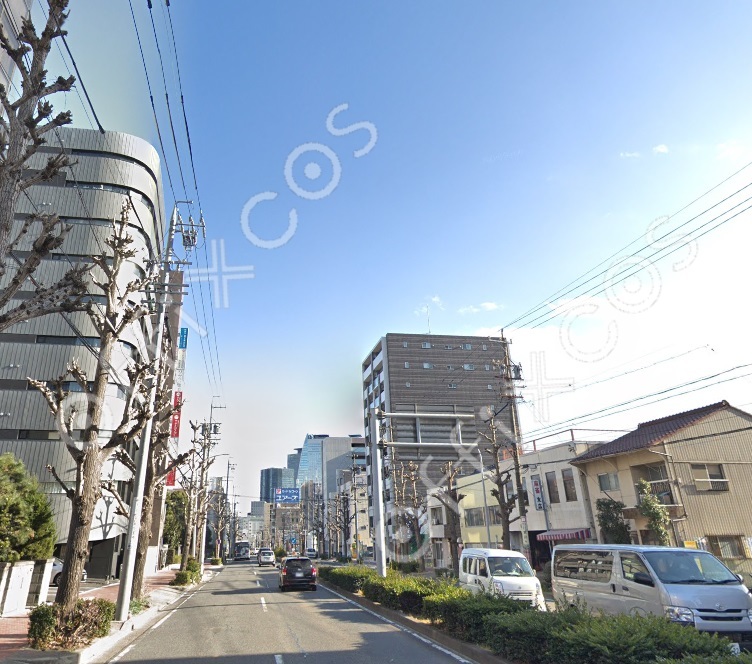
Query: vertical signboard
175, 422
537, 492
177, 379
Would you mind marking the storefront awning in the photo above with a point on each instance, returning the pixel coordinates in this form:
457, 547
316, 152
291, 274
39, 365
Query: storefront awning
566, 534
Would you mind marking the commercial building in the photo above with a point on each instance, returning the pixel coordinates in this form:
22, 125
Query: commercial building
11, 15
88, 196
556, 498
275, 478
436, 385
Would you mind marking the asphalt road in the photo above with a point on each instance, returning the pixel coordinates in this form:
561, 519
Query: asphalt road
240, 616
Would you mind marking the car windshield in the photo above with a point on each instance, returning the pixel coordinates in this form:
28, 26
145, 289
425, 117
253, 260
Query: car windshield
690, 567
509, 566
299, 564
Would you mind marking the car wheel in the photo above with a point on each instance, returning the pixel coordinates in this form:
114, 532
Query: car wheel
56, 580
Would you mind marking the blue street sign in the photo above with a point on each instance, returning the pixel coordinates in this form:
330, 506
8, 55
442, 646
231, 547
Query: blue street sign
286, 495
293, 540
183, 341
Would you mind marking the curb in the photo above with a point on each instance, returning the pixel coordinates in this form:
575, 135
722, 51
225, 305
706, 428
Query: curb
471, 651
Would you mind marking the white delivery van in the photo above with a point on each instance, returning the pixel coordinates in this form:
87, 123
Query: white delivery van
501, 572
688, 586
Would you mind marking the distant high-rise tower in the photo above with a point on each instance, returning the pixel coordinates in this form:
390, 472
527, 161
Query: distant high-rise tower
275, 478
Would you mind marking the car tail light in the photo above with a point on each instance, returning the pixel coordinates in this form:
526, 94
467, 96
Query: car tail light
313, 570
284, 570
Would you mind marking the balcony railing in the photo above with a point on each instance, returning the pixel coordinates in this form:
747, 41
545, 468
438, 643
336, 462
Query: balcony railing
661, 489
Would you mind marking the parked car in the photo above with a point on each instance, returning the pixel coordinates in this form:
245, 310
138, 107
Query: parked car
312, 553
265, 557
689, 586
297, 572
57, 572
501, 572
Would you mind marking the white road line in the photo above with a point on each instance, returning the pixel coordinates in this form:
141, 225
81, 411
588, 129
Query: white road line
159, 623
122, 654
263, 604
407, 630
258, 583
278, 659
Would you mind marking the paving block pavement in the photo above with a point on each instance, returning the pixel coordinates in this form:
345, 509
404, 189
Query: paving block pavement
14, 643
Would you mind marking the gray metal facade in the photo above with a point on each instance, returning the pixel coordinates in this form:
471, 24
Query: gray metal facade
88, 196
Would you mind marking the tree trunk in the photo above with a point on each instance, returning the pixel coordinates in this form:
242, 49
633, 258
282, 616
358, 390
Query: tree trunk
452, 531
144, 534
82, 514
188, 534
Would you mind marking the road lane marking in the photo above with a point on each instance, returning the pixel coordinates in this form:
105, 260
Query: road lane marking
407, 630
258, 583
158, 623
123, 654
278, 659
263, 604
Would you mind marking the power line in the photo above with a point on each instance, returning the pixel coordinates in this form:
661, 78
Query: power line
574, 285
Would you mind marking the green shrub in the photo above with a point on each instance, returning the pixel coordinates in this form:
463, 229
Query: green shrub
529, 636
184, 578
216, 561
192, 565
138, 605
634, 639
406, 568
90, 619
744, 658
349, 578
42, 624
544, 576
444, 573
461, 613
279, 553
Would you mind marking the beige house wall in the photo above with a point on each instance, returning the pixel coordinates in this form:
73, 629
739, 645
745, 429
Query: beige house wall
724, 438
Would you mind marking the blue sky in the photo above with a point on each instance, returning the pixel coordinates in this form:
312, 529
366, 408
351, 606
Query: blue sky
516, 147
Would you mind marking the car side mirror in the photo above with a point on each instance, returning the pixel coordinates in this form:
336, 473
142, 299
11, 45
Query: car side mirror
740, 577
643, 579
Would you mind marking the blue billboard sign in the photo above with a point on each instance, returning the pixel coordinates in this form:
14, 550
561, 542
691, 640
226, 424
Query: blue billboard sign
183, 340
286, 495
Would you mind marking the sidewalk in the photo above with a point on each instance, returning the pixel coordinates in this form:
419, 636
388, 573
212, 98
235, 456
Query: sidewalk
13, 631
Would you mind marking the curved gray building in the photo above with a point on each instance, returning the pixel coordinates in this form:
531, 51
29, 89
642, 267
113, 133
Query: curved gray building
88, 196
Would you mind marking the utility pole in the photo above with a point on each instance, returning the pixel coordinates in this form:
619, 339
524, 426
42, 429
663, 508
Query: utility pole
164, 299
508, 376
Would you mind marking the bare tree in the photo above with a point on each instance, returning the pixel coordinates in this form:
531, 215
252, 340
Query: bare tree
90, 452
449, 496
159, 465
23, 125
410, 505
501, 447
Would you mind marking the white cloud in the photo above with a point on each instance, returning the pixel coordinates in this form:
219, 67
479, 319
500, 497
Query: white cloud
483, 306
468, 310
489, 306
437, 301
660, 149
629, 155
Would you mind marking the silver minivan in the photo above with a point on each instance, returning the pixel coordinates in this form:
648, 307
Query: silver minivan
689, 586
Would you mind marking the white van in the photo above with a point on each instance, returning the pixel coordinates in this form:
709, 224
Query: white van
689, 586
501, 572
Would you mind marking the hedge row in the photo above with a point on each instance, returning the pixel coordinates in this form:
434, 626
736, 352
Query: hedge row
516, 631
572, 636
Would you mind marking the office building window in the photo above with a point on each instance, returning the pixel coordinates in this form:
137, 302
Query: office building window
426, 344
570, 493
490, 387
474, 517
553, 488
404, 344
608, 481
468, 367
452, 386
487, 367
437, 518
427, 365
450, 367
407, 365
407, 384
467, 346
485, 347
